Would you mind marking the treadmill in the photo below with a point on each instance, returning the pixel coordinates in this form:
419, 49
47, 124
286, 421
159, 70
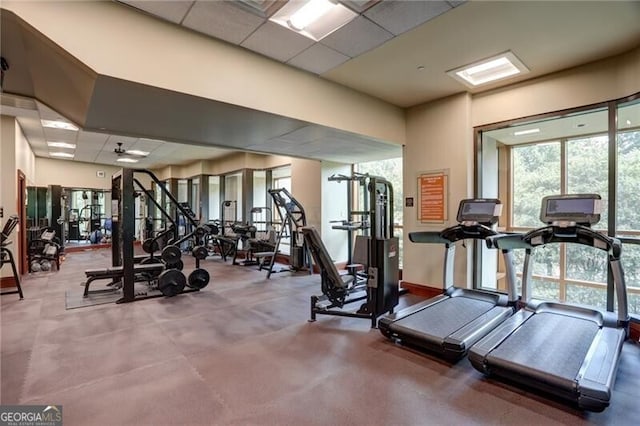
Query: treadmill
569, 351
449, 324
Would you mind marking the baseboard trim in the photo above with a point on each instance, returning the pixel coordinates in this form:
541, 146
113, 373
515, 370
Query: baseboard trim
7, 282
634, 332
421, 290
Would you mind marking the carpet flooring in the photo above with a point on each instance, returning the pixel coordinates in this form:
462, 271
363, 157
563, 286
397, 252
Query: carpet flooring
241, 352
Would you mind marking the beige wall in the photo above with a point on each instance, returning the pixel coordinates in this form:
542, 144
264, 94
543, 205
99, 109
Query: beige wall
15, 154
306, 178
8, 176
72, 174
25, 159
599, 81
440, 137
146, 50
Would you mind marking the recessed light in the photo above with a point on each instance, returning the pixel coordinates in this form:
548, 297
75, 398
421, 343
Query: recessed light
488, 70
57, 124
420, 68
127, 160
314, 19
526, 132
137, 152
61, 154
61, 145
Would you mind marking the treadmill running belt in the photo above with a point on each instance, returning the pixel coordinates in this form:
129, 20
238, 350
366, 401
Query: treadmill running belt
444, 318
549, 343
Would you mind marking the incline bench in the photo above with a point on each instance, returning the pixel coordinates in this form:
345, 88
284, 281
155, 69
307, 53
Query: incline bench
334, 285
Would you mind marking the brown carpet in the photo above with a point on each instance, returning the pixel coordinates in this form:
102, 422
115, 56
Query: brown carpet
241, 352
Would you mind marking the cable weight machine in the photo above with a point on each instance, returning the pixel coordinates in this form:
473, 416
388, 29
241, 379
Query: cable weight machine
378, 290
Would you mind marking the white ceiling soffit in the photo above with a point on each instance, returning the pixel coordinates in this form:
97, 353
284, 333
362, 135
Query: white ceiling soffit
323, 143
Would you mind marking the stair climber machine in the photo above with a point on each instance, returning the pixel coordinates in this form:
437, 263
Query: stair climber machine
568, 351
447, 325
378, 292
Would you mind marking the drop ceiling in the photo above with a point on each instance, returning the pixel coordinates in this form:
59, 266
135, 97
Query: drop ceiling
397, 51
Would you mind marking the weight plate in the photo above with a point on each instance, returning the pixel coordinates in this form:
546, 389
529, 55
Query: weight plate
171, 282
150, 260
179, 265
171, 254
200, 231
150, 246
198, 278
200, 252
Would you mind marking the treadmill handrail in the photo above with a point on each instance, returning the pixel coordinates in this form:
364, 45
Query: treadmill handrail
576, 235
583, 235
427, 237
508, 241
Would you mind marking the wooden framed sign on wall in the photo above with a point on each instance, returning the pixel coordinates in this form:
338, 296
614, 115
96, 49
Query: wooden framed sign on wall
433, 193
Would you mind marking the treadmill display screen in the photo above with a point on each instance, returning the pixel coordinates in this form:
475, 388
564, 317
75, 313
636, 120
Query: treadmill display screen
483, 211
579, 209
576, 206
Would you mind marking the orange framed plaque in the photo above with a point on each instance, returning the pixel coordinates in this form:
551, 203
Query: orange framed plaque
432, 193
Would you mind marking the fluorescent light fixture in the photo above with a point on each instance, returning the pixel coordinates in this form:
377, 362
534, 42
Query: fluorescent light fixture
137, 152
491, 69
57, 124
61, 154
127, 160
526, 132
314, 19
61, 145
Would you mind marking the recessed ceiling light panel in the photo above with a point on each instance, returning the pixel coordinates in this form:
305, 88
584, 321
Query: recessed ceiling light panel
127, 160
526, 132
58, 124
495, 68
314, 19
61, 145
137, 152
61, 154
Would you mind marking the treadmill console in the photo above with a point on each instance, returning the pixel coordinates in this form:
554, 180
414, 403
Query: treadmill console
581, 209
485, 211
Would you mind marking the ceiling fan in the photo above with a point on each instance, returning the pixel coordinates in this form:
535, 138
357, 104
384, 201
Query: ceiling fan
121, 152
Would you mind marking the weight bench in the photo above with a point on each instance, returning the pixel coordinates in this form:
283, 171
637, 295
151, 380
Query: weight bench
114, 272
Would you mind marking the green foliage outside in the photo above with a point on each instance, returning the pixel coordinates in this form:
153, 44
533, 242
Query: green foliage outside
537, 173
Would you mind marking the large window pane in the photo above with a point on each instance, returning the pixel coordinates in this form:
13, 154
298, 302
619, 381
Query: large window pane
586, 264
587, 169
631, 265
628, 139
536, 173
214, 198
545, 289
586, 295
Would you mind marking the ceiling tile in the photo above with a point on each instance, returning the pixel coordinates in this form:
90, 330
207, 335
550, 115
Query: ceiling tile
400, 16
359, 5
173, 11
357, 37
318, 59
456, 3
222, 20
277, 42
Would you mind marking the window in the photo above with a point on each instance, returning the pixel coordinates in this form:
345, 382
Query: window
522, 162
214, 198
391, 170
